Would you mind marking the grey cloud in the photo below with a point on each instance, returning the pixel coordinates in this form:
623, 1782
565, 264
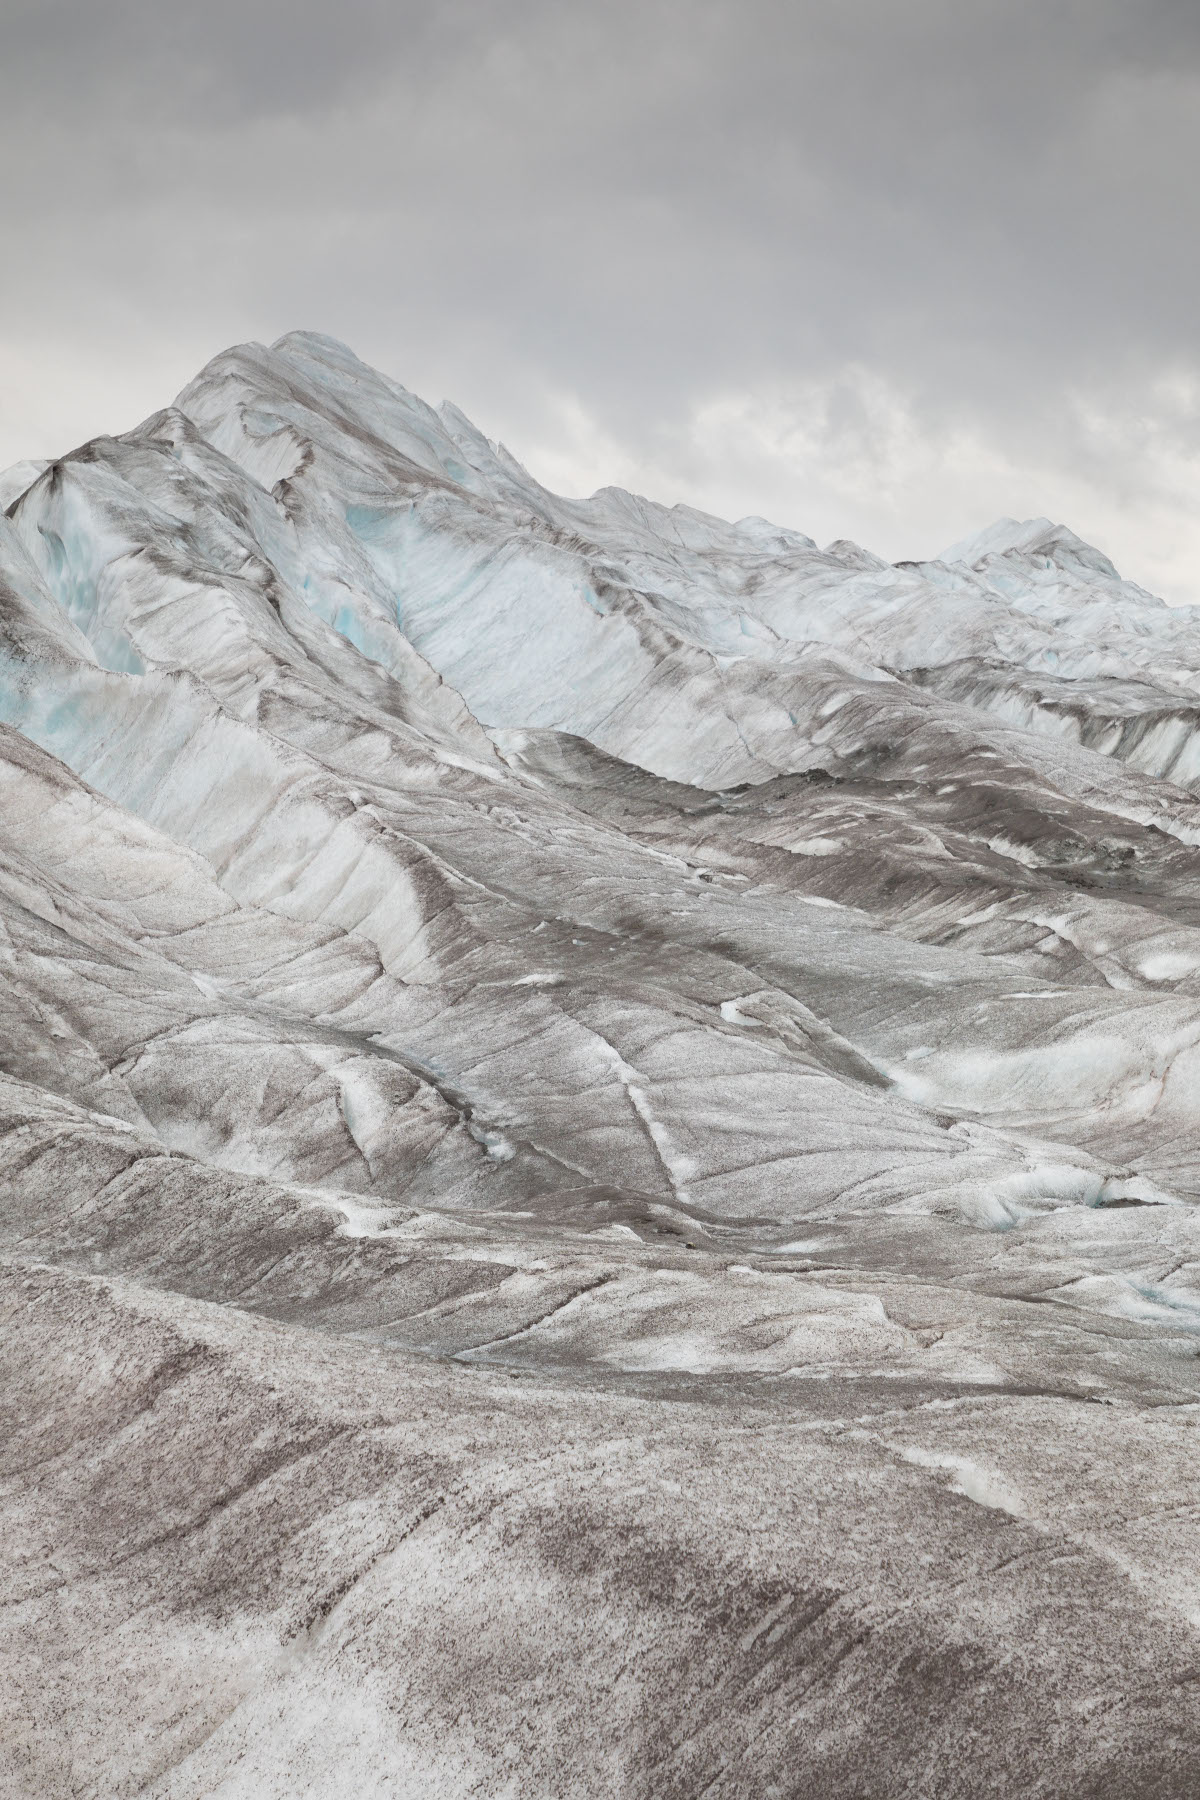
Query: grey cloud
640, 208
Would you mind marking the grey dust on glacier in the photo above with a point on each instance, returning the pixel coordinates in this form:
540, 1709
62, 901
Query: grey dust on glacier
601, 1135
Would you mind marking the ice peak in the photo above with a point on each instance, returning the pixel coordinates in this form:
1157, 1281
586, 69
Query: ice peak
1028, 537
322, 346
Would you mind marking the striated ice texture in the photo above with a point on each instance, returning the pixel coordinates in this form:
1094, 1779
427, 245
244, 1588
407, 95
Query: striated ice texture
600, 1134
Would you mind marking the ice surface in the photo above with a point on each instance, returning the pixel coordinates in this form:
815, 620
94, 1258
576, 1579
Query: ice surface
599, 1132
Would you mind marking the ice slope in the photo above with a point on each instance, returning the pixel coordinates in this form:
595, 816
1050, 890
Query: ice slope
744, 994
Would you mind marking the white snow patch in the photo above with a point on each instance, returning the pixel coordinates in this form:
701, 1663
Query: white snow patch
732, 1013
1167, 965
982, 1486
817, 846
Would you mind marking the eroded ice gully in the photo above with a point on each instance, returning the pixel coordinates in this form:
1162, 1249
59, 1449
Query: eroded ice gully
600, 1133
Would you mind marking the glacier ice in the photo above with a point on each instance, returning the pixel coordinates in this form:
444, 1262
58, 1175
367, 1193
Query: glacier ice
600, 1132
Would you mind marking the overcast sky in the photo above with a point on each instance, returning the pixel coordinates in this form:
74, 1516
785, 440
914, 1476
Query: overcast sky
881, 269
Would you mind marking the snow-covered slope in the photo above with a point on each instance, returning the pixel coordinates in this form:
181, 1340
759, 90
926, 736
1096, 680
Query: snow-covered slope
749, 992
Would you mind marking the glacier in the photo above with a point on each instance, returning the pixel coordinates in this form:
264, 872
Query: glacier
601, 1133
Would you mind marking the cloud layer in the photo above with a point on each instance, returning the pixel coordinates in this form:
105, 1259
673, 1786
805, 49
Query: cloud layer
881, 272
